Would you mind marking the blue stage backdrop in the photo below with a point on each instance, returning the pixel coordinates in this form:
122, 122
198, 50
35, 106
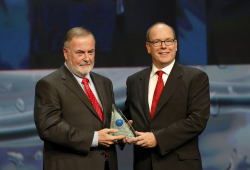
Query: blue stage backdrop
223, 145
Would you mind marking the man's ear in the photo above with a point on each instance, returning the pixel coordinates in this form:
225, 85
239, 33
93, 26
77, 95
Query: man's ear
176, 44
65, 53
148, 47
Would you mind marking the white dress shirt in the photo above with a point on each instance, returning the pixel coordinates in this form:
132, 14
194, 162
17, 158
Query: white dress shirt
92, 87
154, 78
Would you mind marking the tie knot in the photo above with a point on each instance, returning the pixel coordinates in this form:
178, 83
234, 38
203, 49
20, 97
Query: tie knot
160, 72
85, 81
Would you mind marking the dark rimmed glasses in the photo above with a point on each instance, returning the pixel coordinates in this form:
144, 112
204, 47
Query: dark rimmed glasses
158, 43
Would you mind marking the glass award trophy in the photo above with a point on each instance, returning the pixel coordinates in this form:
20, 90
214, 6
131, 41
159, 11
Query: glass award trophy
120, 122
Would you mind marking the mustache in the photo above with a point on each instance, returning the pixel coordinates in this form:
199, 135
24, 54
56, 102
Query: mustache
85, 63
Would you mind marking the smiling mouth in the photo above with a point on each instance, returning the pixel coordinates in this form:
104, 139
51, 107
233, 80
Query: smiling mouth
164, 53
86, 64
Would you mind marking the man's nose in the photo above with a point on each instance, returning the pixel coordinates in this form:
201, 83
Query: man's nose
86, 57
163, 45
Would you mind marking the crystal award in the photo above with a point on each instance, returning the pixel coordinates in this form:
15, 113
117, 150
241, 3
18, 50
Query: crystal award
120, 122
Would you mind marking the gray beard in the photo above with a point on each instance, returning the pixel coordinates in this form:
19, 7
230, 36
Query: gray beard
80, 72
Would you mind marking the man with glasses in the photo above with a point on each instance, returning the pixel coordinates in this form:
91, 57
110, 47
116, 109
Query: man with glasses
169, 105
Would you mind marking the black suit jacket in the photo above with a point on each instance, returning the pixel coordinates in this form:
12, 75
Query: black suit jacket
180, 117
66, 121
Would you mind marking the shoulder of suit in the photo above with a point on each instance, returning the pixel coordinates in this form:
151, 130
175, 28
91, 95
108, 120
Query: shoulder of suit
140, 73
187, 70
96, 75
52, 79
52, 76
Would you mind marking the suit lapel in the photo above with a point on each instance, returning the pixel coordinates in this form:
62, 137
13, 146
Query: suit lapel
70, 81
171, 85
143, 92
101, 94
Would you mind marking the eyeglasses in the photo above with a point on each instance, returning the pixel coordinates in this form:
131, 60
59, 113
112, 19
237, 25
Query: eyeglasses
158, 43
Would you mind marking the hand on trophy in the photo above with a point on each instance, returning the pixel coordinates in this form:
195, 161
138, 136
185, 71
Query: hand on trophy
105, 139
126, 140
130, 122
145, 140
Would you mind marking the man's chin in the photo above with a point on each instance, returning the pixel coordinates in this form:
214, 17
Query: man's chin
84, 71
81, 72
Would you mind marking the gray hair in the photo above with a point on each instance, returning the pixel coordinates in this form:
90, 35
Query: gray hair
148, 32
76, 32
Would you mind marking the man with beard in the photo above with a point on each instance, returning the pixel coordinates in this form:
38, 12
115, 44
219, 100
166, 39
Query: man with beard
73, 110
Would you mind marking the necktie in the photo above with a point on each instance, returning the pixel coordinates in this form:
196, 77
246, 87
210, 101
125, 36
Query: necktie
158, 89
92, 98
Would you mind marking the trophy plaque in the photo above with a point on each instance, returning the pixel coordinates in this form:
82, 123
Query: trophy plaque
120, 122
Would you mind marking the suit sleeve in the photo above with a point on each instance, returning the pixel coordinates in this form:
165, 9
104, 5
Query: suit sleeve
50, 125
198, 111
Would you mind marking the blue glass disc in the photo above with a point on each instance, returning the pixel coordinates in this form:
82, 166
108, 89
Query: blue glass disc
119, 122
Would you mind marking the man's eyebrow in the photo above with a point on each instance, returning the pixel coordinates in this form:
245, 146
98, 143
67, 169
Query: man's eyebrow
163, 40
156, 40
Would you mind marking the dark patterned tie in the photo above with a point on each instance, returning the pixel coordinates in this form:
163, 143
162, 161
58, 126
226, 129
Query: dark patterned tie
92, 98
158, 89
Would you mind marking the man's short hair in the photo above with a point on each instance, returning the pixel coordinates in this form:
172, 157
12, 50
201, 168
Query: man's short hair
76, 32
148, 32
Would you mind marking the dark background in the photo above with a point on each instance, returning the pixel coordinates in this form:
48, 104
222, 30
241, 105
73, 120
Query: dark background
208, 31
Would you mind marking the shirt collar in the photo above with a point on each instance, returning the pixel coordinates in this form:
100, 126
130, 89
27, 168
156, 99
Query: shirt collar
166, 69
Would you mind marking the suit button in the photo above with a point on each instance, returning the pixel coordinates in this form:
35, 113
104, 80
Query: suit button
103, 153
152, 130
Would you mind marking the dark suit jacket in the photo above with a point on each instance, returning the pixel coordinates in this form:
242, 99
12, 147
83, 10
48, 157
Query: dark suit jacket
66, 121
180, 117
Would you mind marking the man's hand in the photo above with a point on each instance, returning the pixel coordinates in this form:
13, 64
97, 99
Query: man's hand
105, 139
130, 122
146, 140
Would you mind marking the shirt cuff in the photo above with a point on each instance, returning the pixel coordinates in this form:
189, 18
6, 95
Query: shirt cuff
95, 140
